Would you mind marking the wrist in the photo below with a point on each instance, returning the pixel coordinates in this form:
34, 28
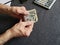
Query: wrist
9, 34
5, 37
5, 9
14, 33
9, 31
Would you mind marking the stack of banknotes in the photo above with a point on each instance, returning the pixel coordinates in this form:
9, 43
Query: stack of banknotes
45, 3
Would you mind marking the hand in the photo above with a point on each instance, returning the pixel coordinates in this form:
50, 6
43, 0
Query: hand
18, 11
22, 29
14, 11
18, 30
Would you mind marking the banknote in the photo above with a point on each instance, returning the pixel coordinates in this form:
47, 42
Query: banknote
45, 3
32, 16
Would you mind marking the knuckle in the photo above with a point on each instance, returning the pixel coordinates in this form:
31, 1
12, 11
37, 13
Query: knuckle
23, 7
13, 8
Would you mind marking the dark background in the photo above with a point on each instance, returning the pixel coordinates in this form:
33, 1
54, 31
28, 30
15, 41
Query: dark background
45, 32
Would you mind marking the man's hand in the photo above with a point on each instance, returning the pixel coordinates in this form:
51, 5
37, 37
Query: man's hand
14, 11
22, 29
18, 11
18, 30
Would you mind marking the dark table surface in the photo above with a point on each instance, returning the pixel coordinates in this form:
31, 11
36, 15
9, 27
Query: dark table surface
45, 32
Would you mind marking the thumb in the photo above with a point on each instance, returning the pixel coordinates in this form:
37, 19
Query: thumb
20, 20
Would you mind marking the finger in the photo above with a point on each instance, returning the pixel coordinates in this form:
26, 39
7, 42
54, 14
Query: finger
20, 20
25, 11
27, 23
31, 26
28, 32
20, 12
